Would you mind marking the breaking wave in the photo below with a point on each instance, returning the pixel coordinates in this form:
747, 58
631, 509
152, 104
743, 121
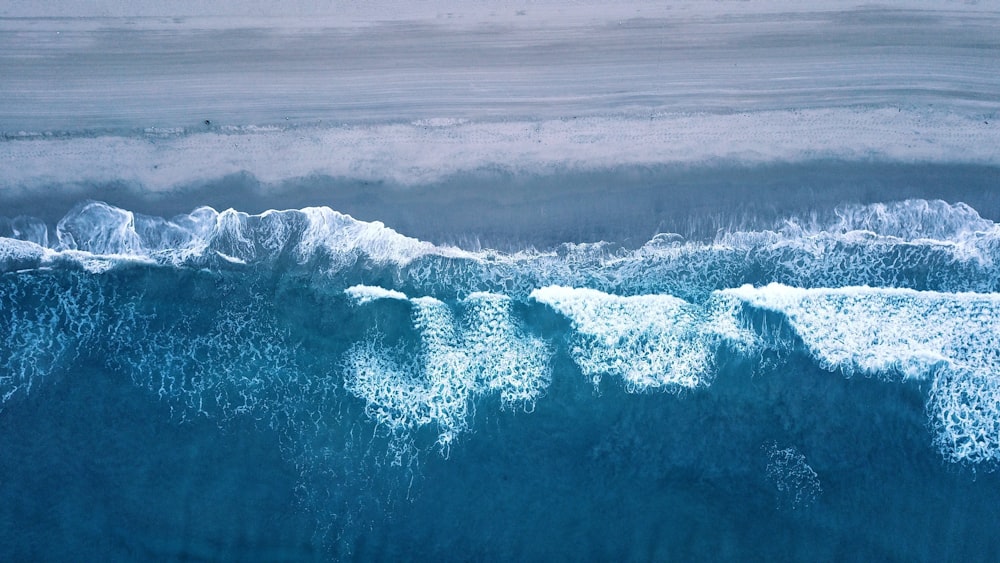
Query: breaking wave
923, 245
951, 339
649, 341
455, 360
323, 329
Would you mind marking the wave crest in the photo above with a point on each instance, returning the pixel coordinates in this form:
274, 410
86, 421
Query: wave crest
485, 351
952, 340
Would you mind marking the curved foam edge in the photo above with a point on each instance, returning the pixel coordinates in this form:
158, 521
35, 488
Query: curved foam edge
98, 233
910, 220
483, 351
951, 339
884, 331
19, 254
648, 341
903, 243
508, 360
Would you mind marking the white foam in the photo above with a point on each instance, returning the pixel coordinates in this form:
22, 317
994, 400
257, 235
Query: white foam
45, 324
99, 228
885, 331
231, 259
342, 236
506, 359
19, 253
649, 341
901, 243
237, 365
362, 294
861, 231
952, 339
909, 220
458, 360
964, 406
98, 236
101, 231
931, 244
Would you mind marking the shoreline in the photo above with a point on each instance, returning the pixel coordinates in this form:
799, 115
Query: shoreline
626, 205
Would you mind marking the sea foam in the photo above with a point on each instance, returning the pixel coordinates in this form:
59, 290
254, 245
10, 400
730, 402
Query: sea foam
206, 236
484, 351
649, 341
47, 321
951, 339
898, 290
925, 245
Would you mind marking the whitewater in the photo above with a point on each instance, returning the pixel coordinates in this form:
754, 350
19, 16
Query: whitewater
306, 322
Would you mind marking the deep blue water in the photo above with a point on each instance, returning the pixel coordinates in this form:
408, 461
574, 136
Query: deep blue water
303, 385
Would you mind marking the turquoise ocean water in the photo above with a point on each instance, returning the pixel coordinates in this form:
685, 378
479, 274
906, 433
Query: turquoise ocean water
303, 385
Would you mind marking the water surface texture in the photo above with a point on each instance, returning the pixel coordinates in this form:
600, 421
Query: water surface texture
544, 282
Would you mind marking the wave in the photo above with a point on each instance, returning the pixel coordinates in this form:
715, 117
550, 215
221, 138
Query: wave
417, 153
900, 291
649, 341
485, 352
912, 220
206, 236
924, 245
950, 339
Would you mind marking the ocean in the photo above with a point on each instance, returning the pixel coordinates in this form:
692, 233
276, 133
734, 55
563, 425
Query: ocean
301, 384
536, 313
